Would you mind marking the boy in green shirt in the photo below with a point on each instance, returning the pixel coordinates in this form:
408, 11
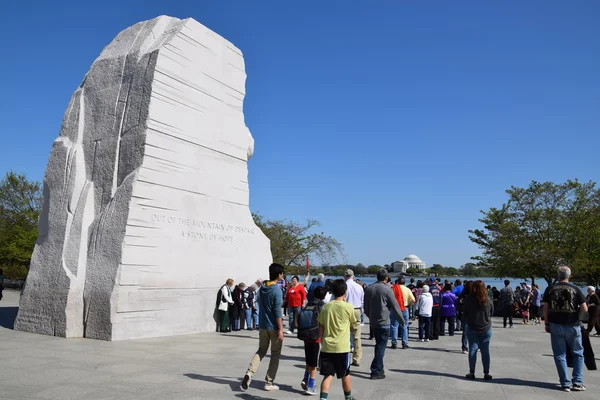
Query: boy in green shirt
335, 320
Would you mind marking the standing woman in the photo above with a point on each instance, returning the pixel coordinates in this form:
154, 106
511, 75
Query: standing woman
295, 298
448, 310
461, 299
224, 302
478, 311
536, 301
593, 302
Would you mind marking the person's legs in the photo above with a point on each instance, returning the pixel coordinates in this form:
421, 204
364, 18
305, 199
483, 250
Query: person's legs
427, 327
255, 317
435, 323
356, 332
421, 327
224, 321
573, 339
484, 348
442, 326
248, 314
504, 319
459, 324
291, 318
559, 349
465, 342
394, 328
263, 346
473, 347
593, 319
276, 345
325, 385
347, 384
381, 334
405, 328
510, 321
451, 325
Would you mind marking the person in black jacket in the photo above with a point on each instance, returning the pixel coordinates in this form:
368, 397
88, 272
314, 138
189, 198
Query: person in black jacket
593, 302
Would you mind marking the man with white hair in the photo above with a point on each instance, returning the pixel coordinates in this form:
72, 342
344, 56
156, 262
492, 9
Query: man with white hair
593, 302
562, 303
319, 283
355, 296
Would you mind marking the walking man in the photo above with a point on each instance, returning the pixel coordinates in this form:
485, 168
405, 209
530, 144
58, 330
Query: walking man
270, 332
563, 302
507, 303
379, 301
355, 296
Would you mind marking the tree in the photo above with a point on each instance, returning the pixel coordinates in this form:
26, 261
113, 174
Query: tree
20, 202
293, 242
469, 269
373, 269
437, 268
451, 271
536, 230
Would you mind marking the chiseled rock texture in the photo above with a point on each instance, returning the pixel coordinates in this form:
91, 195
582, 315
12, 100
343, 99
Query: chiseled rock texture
145, 209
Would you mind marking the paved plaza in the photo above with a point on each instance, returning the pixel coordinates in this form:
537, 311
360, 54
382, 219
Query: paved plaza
210, 366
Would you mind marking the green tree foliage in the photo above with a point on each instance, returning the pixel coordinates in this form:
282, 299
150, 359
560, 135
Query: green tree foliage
539, 228
373, 269
292, 242
437, 269
20, 202
470, 269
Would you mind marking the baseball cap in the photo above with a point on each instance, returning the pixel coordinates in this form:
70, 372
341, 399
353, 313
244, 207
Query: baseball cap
349, 272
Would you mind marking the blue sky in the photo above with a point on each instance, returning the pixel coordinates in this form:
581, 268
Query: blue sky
391, 122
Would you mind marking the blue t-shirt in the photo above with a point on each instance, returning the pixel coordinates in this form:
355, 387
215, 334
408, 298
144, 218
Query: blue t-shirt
269, 301
537, 298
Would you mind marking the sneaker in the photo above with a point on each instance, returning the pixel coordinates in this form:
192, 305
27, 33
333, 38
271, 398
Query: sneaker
289, 332
311, 391
380, 376
464, 352
394, 346
356, 363
405, 346
303, 384
578, 388
269, 387
421, 340
566, 388
362, 324
426, 340
511, 327
245, 382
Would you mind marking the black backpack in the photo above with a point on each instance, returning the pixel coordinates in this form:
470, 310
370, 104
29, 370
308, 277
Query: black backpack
308, 322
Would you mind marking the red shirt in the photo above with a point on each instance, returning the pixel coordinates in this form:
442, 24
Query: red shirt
295, 296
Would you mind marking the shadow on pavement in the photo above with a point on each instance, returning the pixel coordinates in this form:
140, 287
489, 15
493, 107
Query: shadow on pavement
8, 316
234, 384
438, 349
501, 381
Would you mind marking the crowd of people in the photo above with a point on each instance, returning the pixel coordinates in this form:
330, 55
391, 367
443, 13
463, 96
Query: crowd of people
328, 315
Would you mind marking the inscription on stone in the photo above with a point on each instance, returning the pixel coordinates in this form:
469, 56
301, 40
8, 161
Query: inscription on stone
203, 230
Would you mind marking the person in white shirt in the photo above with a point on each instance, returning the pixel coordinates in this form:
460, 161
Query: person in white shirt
425, 306
355, 296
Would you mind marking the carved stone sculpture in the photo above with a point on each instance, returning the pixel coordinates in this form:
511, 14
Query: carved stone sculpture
145, 210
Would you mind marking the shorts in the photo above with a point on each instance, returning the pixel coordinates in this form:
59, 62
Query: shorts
311, 353
535, 310
335, 364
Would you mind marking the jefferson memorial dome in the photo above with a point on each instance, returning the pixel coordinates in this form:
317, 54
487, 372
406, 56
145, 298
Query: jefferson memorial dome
410, 261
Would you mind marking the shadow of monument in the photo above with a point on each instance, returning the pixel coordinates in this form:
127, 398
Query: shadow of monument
500, 381
234, 384
8, 316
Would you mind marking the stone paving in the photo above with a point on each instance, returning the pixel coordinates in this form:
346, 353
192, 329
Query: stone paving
210, 366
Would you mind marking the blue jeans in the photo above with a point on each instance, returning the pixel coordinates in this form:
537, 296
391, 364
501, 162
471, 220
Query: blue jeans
292, 315
560, 337
248, 315
381, 334
465, 341
362, 318
479, 341
255, 318
424, 326
395, 324
405, 328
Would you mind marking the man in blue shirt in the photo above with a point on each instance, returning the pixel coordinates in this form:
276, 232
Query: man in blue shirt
319, 283
458, 289
270, 333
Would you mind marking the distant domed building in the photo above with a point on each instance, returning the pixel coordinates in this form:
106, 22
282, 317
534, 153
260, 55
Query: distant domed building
410, 261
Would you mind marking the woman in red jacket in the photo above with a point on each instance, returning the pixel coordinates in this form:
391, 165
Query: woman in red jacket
294, 297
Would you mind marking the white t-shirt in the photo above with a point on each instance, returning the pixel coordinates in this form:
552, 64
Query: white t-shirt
328, 298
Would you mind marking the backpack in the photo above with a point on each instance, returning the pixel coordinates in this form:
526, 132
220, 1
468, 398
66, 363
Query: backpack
308, 322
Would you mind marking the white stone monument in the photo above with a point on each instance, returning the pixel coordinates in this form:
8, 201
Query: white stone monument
145, 211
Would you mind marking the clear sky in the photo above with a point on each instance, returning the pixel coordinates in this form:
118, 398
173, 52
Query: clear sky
393, 122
